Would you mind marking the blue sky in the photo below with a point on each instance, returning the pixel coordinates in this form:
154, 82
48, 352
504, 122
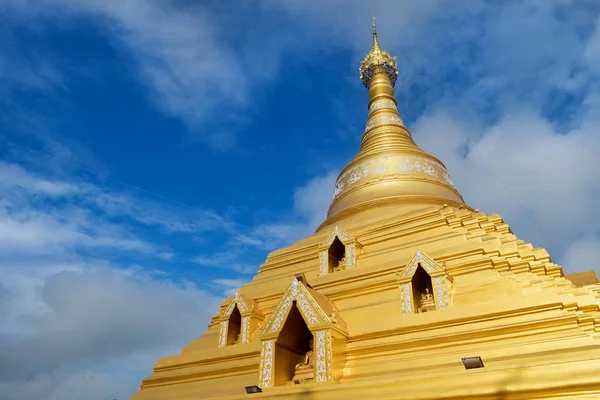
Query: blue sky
153, 152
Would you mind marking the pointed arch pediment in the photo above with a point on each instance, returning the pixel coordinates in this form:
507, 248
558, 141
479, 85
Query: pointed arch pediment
244, 304
344, 237
251, 318
429, 265
316, 310
326, 326
351, 245
442, 282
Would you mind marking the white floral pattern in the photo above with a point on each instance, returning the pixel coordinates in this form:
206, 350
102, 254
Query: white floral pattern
329, 350
323, 262
441, 293
382, 103
385, 119
337, 232
245, 329
390, 165
266, 367
223, 334
281, 313
406, 300
307, 309
241, 304
321, 351
306, 306
350, 256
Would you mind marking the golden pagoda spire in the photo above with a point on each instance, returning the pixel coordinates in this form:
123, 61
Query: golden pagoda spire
378, 59
375, 42
389, 169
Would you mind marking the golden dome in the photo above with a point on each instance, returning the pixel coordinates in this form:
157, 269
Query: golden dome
390, 170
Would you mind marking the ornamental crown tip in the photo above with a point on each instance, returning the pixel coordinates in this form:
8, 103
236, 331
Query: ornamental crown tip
378, 58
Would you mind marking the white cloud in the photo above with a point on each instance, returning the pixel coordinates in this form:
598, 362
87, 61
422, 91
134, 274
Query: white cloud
535, 177
166, 255
180, 50
311, 202
230, 259
65, 318
97, 317
230, 286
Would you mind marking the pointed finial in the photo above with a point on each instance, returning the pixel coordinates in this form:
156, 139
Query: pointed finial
375, 42
378, 58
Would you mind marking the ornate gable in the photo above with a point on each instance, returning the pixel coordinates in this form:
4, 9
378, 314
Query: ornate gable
430, 266
314, 307
244, 304
344, 237
441, 280
251, 318
330, 334
352, 248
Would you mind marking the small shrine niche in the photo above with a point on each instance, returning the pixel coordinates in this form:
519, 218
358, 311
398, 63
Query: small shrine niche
238, 321
422, 291
303, 341
338, 252
294, 359
336, 256
424, 285
234, 327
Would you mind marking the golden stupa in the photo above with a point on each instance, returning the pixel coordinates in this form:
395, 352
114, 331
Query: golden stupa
403, 292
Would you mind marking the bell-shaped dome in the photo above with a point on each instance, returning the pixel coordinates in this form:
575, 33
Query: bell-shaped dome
389, 167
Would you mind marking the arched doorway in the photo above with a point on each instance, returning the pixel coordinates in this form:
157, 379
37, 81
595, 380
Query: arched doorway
291, 346
336, 255
422, 289
234, 327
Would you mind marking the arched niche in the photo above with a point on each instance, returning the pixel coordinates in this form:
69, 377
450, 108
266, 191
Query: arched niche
424, 285
302, 314
338, 252
293, 343
238, 321
234, 327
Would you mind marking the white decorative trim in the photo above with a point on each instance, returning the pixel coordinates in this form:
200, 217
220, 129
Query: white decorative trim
307, 309
350, 256
241, 304
385, 119
245, 329
420, 259
410, 269
329, 350
323, 262
390, 165
340, 234
307, 306
407, 307
382, 103
321, 352
266, 367
223, 334
441, 292
282, 313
